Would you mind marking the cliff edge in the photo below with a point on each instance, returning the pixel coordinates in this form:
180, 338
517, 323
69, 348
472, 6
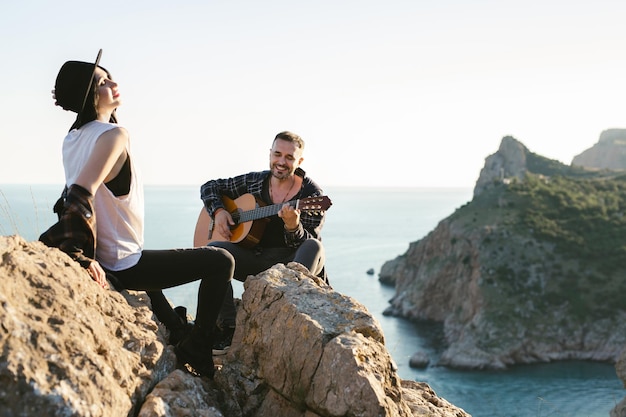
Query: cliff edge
70, 348
531, 270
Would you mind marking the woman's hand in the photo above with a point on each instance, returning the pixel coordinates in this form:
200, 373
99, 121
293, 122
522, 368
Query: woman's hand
97, 274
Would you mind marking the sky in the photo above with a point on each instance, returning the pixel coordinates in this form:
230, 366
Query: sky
385, 93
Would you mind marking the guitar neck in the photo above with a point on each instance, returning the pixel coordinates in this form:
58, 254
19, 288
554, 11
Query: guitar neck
262, 212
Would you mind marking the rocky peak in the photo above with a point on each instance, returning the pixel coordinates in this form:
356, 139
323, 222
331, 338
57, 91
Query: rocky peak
608, 153
508, 162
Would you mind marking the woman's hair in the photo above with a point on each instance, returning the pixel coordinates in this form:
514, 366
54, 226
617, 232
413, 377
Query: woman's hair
89, 112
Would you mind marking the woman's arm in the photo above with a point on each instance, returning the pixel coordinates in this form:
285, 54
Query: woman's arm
74, 233
105, 161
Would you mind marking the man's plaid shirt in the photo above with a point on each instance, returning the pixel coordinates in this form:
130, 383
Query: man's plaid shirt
252, 183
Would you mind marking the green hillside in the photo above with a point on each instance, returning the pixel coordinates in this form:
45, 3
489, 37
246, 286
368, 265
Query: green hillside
554, 240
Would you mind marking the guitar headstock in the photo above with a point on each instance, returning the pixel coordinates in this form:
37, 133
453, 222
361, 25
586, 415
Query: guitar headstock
314, 205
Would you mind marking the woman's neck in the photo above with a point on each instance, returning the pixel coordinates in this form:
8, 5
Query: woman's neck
104, 117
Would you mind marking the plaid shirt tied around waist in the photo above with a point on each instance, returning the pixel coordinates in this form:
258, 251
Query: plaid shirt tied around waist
75, 232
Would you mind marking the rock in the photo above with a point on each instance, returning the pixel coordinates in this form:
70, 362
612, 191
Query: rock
508, 162
299, 348
391, 269
608, 153
328, 345
181, 394
68, 345
620, 367
419, 360
70, 348
423, 401
371, 271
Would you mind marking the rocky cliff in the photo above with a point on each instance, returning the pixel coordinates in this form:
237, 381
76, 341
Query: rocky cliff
506, 164
608, 153
531, 270
69, 348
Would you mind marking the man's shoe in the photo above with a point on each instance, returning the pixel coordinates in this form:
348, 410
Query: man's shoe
223, 340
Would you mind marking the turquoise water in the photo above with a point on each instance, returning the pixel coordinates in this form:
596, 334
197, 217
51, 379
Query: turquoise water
365, 228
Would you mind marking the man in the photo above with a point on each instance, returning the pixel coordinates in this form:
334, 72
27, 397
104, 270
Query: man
288, 236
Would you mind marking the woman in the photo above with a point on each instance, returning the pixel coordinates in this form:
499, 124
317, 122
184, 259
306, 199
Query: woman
101, 217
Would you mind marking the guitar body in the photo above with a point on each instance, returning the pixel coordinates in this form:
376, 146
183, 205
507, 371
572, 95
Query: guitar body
250, 219
246, 234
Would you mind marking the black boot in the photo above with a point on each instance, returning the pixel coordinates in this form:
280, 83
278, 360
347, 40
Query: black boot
196, 352
181, 328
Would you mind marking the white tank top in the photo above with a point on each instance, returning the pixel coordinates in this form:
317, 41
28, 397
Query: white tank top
119, 220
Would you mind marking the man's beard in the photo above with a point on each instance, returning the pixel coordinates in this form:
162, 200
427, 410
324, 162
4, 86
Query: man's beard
281, 175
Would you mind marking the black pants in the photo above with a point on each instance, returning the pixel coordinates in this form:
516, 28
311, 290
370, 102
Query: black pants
256, 260
160, 269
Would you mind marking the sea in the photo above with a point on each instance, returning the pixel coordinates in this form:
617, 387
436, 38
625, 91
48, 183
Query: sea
365, 227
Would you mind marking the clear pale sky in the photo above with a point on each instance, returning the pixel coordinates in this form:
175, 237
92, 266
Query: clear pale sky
388, 93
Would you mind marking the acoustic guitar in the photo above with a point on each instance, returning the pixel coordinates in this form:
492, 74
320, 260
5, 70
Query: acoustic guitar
250, 218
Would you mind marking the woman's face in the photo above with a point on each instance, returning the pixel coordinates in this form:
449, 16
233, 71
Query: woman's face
108, 95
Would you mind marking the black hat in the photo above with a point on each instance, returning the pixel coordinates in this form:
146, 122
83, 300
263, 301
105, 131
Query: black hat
73, 84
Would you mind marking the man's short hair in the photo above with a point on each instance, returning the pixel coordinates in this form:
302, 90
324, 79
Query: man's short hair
291, 137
